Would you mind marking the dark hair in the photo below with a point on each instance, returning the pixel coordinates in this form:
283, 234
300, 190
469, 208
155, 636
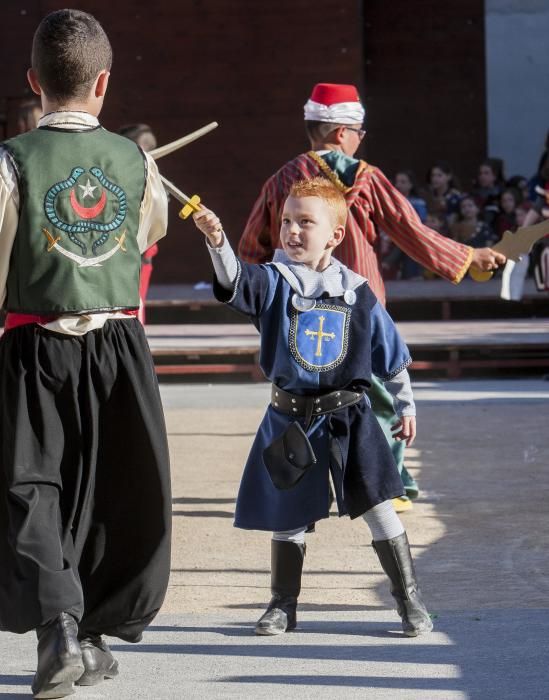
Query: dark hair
542, 165
515, 181
410, 175
465, 198
445, 167
134, 131
496, 165
69, 50
516, 194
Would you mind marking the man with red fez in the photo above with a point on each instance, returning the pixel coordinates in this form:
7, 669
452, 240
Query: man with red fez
334, 118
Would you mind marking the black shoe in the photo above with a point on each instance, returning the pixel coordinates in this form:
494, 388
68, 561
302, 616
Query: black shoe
396, 559
286, 568
279, 617
99, 663
59, 658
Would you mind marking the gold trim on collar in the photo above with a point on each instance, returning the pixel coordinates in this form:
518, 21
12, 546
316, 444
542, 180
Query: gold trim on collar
334, 177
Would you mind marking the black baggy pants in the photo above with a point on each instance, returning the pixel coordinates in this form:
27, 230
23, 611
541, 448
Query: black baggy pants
85, 504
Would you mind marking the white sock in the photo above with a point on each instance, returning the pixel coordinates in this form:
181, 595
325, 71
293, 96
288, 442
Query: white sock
297, 536
383, 522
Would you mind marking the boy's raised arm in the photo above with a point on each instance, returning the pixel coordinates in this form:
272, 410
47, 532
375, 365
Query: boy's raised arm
223, 258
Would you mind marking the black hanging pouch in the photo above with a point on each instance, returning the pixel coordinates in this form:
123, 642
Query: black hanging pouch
288, 457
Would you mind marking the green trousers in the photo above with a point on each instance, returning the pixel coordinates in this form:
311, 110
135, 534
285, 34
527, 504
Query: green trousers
382, 406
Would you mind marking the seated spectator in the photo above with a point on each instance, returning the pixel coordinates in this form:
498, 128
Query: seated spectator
405, 183
520, 183
539, 179
469, 228
142, 134
28, 114
487, 188
506, 220
442, 195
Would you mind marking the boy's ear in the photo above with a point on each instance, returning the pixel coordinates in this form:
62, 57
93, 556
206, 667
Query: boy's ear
337, 236
101, 83
33, 81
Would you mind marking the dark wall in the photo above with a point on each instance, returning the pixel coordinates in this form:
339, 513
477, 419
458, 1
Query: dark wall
425, 85
250, 65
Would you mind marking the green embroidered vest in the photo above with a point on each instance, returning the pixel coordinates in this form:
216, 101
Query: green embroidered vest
76, 244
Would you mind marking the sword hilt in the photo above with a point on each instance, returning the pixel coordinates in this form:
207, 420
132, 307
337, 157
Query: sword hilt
192, 205
480, 275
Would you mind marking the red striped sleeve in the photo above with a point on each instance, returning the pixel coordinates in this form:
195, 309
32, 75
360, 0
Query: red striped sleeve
395, 215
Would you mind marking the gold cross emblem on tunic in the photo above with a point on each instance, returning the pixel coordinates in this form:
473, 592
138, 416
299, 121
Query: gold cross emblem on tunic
320, 335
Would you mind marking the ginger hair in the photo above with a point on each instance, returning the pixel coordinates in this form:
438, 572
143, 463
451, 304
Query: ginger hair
325, 190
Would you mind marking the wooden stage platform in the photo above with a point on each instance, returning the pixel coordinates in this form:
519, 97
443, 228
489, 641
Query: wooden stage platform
413, 300
446, 348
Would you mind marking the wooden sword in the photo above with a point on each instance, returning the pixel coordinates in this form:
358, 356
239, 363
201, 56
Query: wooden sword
514, 246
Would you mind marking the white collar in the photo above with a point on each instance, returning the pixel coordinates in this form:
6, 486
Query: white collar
66, 119
335, 280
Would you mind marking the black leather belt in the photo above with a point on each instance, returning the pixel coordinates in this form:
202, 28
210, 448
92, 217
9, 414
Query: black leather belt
310, 406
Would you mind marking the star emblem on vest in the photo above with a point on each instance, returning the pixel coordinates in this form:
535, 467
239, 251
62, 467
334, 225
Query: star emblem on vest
87, 207
88, 189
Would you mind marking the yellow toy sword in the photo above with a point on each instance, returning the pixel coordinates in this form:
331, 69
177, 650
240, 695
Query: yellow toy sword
513, 246
191, 204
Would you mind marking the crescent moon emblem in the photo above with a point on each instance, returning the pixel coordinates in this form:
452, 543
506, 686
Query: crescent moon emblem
88, 212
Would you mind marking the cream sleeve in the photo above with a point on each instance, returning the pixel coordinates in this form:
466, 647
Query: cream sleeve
153, 219
9, 217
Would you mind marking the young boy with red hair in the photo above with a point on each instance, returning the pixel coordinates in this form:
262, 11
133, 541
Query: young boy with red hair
323, 335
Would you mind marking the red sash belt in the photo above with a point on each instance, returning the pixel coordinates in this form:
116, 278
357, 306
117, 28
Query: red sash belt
13, 319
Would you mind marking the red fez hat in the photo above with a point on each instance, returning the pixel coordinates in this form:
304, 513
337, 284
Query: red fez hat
332, 93
335, 104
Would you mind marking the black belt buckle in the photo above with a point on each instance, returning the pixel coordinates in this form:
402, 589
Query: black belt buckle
288, 457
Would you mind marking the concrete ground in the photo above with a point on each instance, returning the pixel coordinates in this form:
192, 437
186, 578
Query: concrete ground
479, 536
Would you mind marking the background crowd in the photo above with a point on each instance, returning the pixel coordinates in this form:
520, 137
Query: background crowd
476, 215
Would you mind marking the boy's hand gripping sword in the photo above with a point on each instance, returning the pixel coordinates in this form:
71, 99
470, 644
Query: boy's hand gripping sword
514, 246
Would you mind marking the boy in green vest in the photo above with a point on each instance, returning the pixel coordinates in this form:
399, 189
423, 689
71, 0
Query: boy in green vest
85, 506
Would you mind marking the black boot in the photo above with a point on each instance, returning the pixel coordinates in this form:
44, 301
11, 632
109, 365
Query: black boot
59, 658
396, 560
99, 663
286, 567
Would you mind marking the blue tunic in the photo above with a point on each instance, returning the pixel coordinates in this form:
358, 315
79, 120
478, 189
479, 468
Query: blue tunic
333, 346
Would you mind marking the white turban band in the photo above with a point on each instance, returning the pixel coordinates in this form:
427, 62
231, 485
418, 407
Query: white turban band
339, 113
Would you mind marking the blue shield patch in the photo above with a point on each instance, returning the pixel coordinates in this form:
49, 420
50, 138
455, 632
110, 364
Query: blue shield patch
319, 337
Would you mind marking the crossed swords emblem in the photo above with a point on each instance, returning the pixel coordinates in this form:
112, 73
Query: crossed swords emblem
191, 204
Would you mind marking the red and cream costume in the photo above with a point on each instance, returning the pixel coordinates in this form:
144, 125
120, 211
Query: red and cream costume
373, 204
